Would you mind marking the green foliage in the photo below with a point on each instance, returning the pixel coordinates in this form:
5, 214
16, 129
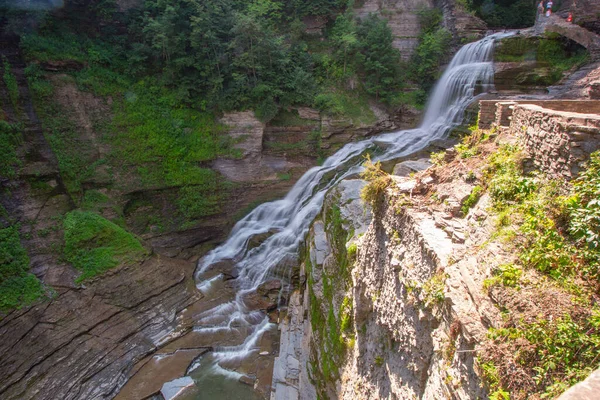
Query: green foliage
560, 351
378, 181
201, 200
466, 151
584, 206
166, 141
76, 163
492, 379
61, 46
228, 52
39, 87
471, 200
352, 250
507, 275
554, 55
152, 126
317, 7
339, 237
93, 200
555, 235
228, 55
433, 290
438, 158
11, 83
507, 183
346, 313
93, 244
432, 50
18, 287
378, 60
342, 103
10, 139
345, 41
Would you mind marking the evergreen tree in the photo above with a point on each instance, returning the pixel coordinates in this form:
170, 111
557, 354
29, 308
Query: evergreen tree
378, 59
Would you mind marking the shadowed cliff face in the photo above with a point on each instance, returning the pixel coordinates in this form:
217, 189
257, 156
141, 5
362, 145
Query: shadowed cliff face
32, 5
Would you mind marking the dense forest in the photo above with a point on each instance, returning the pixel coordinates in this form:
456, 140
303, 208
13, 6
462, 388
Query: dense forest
231, 55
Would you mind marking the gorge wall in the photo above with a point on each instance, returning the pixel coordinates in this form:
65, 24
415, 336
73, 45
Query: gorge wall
389, 303
403, 18
397, 302
405, 321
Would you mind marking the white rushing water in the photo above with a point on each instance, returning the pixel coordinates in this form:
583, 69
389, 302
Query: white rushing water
288, 220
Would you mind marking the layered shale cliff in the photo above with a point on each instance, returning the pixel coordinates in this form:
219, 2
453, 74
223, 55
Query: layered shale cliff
400, 298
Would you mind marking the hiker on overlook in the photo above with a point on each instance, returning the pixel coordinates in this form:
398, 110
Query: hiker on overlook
549, 8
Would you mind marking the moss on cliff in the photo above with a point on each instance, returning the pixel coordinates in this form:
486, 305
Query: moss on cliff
10, 138
554, 56
93, 244
18, 287
330, 315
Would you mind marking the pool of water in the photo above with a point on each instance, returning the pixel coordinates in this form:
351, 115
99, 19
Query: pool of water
214, 383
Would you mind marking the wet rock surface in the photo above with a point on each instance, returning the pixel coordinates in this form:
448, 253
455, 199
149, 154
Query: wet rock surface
83, 343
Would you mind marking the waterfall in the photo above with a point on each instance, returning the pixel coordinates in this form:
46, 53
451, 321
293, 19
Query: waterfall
288, 220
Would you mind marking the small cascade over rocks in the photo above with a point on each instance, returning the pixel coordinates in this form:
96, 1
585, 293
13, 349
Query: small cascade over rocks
284, 223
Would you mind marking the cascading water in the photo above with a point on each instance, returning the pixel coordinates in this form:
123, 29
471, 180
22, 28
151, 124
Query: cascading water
287, 221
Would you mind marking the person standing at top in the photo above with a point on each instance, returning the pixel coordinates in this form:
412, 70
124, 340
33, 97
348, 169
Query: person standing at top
540, 11
549, 8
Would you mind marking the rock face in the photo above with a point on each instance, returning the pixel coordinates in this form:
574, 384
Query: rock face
586, 390
403, 19
407, 323
585, 13
83, 343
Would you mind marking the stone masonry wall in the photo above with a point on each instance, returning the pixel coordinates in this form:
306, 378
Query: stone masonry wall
487, 113
499, 113
559, 142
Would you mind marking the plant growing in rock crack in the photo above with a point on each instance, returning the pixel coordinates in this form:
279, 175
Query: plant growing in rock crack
507, 275
377, 182
470, 201
438, 158
433, 289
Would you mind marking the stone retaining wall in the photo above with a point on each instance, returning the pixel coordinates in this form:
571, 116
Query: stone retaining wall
487, 113
499, 113
558, 141
559, 135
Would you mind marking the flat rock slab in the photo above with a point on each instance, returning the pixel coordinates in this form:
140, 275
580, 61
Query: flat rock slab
172, 389
83, 343
589, 389
160, 368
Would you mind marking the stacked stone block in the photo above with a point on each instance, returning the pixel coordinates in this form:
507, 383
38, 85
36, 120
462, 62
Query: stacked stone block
559, 142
